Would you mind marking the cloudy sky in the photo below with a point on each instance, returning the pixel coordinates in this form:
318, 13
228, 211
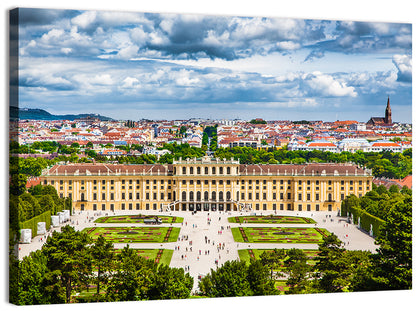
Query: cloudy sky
130, 65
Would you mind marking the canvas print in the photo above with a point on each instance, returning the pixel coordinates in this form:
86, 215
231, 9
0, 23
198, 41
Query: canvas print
163, 156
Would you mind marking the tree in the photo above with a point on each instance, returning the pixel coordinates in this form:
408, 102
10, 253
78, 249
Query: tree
18, 184
392, 264
273, 260
205, 139
260, 280
170, 283
329, 278
337, 269
34, 288
132, 277
102, 253
68, 258
298, 271
229, 280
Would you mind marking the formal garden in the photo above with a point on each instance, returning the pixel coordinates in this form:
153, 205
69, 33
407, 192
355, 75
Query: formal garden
271, 219
138, 219
279, 235
135, 234
247, 254
159, 256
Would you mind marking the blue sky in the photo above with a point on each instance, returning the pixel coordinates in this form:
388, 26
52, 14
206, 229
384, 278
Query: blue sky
129, 65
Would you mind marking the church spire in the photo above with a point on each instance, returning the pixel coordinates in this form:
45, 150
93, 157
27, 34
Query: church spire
387, 117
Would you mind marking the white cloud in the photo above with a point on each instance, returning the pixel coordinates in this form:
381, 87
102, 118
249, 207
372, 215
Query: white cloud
403, 64
288, 45
85, 19
128, 52
326, 85
130, 82
52, 34
138, 35
103, 79
66, 50
184, 78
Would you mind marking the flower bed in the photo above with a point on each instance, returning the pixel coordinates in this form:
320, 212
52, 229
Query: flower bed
282, 235
137, 219
135, 234
272, 219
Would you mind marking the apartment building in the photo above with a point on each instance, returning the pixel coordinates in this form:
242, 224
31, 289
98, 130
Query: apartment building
208, 184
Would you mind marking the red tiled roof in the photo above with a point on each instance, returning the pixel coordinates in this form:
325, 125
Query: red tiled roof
386, 144
32, 182
321, 145
407, 181
103, 169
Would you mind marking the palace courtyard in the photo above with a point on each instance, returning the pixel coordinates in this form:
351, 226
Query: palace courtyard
204, 240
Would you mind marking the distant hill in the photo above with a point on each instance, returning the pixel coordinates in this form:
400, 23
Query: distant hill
40, 114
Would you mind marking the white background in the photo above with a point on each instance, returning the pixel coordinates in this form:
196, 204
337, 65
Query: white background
403, 11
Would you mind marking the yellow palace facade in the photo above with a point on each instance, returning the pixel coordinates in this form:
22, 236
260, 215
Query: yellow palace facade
208, 184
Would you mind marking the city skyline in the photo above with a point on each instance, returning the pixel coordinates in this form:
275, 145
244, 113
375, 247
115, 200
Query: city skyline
129, 65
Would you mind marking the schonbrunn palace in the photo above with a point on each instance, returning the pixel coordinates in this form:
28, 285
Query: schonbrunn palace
208, 184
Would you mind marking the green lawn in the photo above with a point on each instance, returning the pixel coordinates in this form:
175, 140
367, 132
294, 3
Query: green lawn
279, 235
149, 234
165, 257
281, 286
271, 219
137, 219
244, 254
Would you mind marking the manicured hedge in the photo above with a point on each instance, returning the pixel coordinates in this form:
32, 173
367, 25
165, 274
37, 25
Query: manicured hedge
366, 220
33, 222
